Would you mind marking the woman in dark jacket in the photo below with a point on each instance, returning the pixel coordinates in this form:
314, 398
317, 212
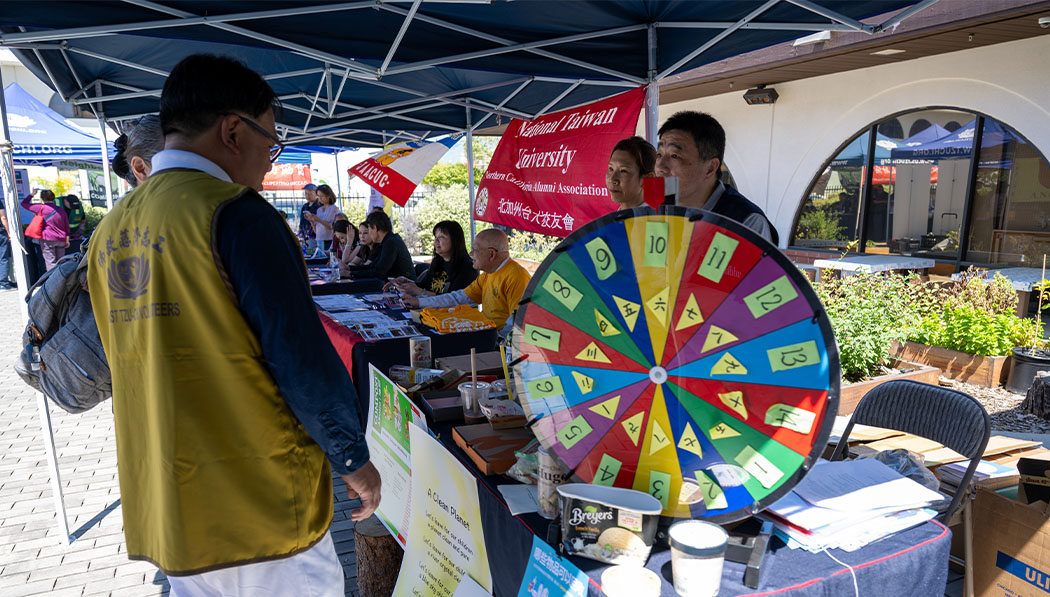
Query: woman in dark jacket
450, 269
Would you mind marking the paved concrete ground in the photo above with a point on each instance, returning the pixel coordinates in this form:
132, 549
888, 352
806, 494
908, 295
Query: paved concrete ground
34, 560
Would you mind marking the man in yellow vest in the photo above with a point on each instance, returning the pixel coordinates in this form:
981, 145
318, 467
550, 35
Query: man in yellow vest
498, 289
231, 406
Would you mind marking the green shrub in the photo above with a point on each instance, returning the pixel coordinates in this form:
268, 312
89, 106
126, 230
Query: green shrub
92, 216
970, 329
868, 313
530, 245
820, 223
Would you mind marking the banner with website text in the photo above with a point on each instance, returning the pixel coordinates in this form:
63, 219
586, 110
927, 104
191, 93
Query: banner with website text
548, 175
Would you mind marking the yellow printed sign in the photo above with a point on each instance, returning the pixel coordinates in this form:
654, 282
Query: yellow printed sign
690, 315
735, 401
607, 408
586, 383
716, 337
728, 365
658, 305
633, 426
628, 310
722, 431
593, 353
658, 439
605, 326
688, 441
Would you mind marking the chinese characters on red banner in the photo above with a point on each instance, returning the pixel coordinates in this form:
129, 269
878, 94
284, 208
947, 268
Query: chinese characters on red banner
548, 175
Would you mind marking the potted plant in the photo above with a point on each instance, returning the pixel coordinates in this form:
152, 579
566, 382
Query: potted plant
1029, 360
971, 331
868, 314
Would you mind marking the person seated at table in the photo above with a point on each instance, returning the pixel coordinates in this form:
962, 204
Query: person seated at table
631, 160
498, 289
363, 252
337, 246
390, 257
346, 236
450, 269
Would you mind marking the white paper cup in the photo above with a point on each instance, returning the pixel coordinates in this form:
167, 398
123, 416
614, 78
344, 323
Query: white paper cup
630, 581
698, 549
470, 395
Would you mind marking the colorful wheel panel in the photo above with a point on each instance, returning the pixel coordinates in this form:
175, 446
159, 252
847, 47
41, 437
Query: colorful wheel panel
679, 354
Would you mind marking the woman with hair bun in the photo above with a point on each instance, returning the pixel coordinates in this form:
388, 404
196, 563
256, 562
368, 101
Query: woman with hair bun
136, 148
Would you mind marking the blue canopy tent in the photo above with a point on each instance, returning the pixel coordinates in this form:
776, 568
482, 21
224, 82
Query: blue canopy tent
404, 69
956, 145
42, 137
926, 135
409, 69
855, 153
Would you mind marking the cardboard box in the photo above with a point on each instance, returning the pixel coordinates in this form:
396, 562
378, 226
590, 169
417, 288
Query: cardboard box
1011, 547
491, 450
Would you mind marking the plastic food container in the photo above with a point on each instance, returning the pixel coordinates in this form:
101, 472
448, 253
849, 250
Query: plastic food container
630, 581
608, 524
698, 550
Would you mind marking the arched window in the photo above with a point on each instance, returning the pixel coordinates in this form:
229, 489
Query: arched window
892, 128
925, 193
918, 126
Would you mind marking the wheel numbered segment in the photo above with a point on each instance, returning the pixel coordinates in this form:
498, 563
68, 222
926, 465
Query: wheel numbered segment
681, 355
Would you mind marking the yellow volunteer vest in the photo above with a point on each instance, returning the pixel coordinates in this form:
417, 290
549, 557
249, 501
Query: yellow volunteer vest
215, 470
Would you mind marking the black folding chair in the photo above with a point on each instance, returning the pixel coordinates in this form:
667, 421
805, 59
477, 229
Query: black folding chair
949, 417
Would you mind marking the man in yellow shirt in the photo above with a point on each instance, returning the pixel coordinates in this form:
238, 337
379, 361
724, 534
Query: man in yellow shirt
498, 289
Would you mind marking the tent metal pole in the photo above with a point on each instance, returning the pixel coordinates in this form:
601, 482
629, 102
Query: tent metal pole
399, 37
338, 175
470, 176
714, 40
652, 91
555, 101
14, 222
105, 149
501, 104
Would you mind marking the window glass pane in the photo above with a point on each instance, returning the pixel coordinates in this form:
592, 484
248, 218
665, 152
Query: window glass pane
1010, 216
830, 215
919, 187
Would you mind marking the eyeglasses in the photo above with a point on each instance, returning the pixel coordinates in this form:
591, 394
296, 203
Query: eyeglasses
475, 250
276, 149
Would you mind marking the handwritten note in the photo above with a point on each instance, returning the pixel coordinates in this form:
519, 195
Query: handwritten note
564, 292
793, 355
542, 337
607, 408
633, 426
628, 310
775, 294
690, 315
544, 387
655, 244
660, 486
717, 258
572, 433
790, 417
608, 468
602, 257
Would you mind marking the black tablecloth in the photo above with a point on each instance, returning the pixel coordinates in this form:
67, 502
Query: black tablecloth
347, 287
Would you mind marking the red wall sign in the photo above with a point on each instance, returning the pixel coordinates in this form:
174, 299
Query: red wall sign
287, 177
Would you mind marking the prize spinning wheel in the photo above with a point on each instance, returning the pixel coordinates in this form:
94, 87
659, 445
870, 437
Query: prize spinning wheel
681, 355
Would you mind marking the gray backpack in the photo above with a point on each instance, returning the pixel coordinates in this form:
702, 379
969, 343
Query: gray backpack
62, 352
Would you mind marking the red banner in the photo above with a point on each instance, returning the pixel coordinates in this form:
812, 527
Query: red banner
287, 177
548, 175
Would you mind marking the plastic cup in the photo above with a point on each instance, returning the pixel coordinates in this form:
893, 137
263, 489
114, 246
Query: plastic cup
470, 395
698, 550
630, 581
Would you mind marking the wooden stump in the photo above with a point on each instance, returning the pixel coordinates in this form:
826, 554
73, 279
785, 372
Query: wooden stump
1037, 401
378, 558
